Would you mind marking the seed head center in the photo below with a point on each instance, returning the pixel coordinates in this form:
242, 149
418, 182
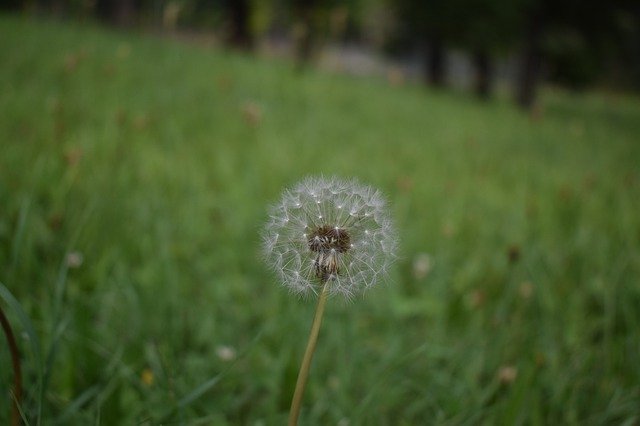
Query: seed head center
328, 242
327, 239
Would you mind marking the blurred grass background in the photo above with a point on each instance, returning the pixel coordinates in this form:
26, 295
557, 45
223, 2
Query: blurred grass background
135, 173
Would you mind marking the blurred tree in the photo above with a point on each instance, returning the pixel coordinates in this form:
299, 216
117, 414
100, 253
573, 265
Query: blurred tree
119, 12
574, 39
625, 70
486, 28
427, 25
10, 4
315, 21
229, 19
306, 14
530, 61
482, 27
484, 73
193, 14
238, 14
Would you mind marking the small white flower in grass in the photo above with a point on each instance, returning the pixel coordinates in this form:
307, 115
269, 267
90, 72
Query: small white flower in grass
74, 259
226, 353
328, 231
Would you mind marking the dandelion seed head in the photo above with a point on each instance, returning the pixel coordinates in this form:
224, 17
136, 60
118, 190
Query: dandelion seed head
328, 230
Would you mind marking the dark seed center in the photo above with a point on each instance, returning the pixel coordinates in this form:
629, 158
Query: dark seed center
327, 242
328, 238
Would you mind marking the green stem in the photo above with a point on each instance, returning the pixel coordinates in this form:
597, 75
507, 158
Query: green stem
17, 376
306, 360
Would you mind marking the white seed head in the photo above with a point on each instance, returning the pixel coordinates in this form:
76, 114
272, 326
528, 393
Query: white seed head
330, 230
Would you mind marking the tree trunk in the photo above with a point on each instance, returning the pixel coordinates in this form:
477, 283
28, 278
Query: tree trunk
304, 31
530, 65
435, 62
126, 12
482, 63
11, 5
119, 12
239, 15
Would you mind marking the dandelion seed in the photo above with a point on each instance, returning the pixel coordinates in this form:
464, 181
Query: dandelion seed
349, 252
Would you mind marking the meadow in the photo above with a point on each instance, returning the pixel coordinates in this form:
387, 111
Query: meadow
135, 176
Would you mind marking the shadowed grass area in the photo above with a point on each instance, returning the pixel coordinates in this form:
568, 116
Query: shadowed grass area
135, 174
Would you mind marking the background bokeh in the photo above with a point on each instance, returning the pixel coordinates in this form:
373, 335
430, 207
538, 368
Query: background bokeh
141, 143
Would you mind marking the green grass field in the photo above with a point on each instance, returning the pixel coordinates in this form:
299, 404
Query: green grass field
153, 162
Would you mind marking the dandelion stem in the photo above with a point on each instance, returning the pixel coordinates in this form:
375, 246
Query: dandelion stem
17, 376
306, 360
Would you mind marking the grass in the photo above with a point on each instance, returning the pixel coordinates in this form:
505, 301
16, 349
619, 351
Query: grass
156, 160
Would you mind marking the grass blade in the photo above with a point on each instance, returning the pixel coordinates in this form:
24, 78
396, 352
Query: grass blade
34, 341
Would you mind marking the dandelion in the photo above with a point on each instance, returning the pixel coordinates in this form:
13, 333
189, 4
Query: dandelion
330, 233
328, 236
